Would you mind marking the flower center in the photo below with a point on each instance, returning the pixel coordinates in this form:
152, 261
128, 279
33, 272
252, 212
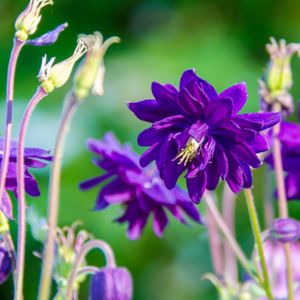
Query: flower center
189, 152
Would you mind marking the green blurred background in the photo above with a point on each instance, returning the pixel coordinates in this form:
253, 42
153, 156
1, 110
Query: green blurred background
223, 40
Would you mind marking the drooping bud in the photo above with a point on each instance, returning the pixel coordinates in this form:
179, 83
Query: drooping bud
5, 262
27, 22
285, 230
48, 38
90, 74
54, 76
111, 283
275, 87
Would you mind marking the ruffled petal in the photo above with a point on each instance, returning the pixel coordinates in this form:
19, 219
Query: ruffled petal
196, 186
160, 221
218, 111
238, 94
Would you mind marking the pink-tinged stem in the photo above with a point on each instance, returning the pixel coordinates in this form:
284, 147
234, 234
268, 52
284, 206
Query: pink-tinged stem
227, 233
53, 202
268, 203
215, 243
230, 266
93, 244
282, 203
38, 96
9, 107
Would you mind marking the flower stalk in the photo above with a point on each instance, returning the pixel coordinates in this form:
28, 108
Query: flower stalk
226, 232
282, 200
258, 240
103, 246
38, 96
54, 189
9, 109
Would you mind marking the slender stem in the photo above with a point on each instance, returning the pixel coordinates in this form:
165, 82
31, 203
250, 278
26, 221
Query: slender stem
54, 189
230, 266
226, 232
268, 203
9, 106
215, 243
38, 96
258, 240
103, 246
282, 203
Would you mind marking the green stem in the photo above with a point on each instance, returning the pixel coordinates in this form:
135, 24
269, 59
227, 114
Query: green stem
258, 240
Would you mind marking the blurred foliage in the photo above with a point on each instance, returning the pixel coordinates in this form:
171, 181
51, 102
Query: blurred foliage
223, 40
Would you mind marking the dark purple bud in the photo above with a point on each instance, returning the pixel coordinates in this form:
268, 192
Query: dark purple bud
111, 284
285, 230
48, 38
5, 262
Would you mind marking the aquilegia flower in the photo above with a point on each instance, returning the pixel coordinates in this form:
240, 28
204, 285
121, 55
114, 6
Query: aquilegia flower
141, 191
197, 130
289, 137
34, 158
111, 283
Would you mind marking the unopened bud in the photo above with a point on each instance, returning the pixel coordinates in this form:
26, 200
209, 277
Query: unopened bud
90, 75
285, 230
27, 22
111, 283
54, 76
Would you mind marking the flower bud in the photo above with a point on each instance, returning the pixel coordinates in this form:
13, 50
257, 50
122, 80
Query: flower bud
54, 76
111, 283
285, 230
278, 77
5, 262
27, 22
89, 76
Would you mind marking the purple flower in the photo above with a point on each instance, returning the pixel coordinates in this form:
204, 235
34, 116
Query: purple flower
289, 137
5, 262
141, 191
197, 130
34, 158
111, 283
48, 38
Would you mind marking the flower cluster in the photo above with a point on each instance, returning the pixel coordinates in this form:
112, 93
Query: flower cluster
140, 190
197, 130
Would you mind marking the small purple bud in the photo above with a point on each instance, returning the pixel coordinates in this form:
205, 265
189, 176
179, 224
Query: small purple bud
48, 38
111, 284
5, 262
285, 230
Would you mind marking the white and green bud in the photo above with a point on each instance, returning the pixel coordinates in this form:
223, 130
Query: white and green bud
28, 21
54, 76
279, 74
90, 74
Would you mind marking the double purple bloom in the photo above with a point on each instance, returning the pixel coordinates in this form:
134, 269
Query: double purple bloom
140, 190
197, 130
34, 158
289, 137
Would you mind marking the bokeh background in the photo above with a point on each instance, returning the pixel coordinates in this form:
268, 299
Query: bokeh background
224, 41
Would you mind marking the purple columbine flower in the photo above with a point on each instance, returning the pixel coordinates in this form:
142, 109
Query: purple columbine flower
111, 283
289, 137
140, 190
197, 130
5, 262
285, 230
34, 158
